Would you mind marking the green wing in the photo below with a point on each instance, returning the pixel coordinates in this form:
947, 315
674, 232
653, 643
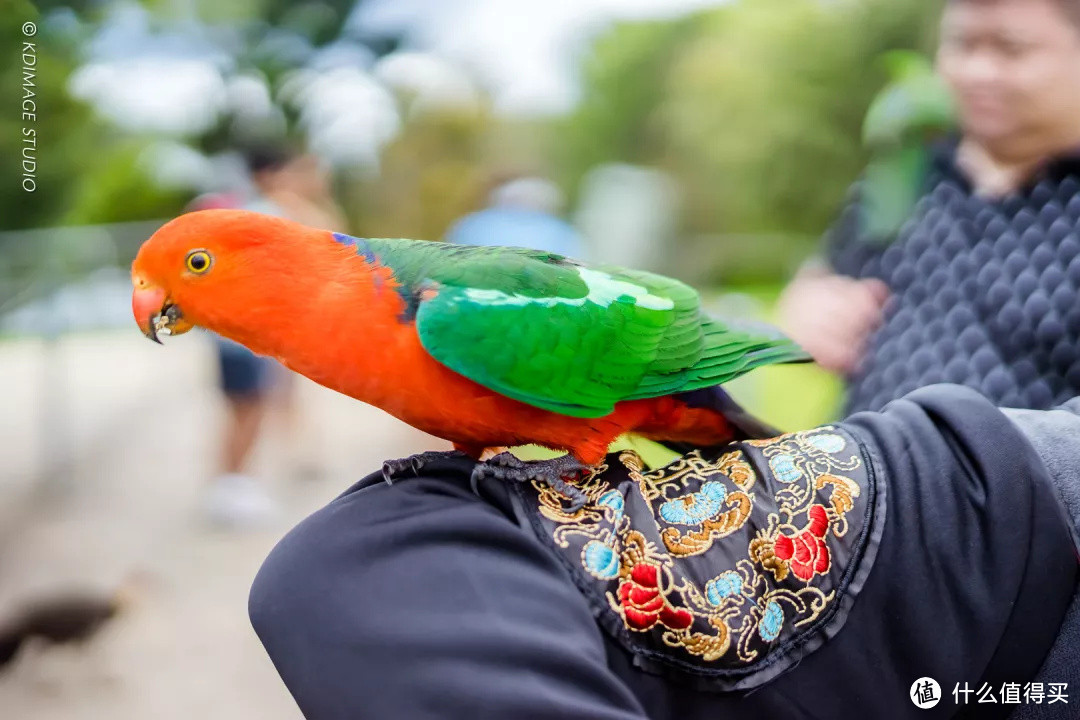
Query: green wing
568, 337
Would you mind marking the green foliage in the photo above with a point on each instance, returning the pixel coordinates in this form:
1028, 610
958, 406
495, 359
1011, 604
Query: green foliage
625, 80
756, 108
771, 102
65, 131
430, 175
116, 188
441, 167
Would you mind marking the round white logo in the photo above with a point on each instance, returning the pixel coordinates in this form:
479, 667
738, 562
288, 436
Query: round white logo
925, 693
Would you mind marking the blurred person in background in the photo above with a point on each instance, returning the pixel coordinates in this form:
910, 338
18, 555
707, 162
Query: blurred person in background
980, 285
294, 185
522, 212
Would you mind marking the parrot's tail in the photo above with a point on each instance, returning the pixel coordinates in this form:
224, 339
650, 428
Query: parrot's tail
703, 418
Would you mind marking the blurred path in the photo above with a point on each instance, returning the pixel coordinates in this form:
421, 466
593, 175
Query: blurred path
141, 424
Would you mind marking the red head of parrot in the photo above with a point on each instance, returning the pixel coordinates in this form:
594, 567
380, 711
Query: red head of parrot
213, 268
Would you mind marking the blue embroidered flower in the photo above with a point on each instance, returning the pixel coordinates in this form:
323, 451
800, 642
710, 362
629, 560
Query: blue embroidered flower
614, 500
695, 508
600, 560
771, 621
784, 468
828, 442
724, 585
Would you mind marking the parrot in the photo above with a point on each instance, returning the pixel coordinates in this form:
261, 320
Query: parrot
487, 347
913, 109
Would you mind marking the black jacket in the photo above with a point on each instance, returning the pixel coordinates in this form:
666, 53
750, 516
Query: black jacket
938, 549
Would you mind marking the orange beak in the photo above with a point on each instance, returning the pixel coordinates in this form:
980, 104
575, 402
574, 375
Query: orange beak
148, 306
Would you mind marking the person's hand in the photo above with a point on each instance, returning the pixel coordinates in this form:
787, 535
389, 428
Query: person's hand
832, 316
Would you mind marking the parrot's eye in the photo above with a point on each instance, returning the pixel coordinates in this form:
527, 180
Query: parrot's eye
198, 261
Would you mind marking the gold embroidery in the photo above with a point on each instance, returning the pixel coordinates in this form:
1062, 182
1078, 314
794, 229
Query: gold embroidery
761, 552
694, 503
694, 543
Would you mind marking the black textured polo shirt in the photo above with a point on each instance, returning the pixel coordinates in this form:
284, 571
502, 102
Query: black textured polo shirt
984, 290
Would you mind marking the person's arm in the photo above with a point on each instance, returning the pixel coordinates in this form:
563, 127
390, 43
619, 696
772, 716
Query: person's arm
830, 308
420, 600
831, 316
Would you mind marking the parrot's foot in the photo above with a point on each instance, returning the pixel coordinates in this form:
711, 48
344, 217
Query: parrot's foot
412, 465
506, 466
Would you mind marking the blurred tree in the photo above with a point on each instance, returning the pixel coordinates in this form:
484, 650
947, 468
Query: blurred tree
66, 134
442, 164
756, 108
269, 40
432, 173
768, 106
625, 82
120, 190
89, 171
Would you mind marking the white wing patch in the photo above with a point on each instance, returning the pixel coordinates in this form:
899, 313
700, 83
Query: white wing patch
603, 290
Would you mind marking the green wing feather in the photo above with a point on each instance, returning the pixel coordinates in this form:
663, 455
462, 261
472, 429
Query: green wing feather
569, 337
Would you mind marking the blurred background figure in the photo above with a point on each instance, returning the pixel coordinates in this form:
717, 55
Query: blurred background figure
292, 184
235, 498
522, 212
975, 279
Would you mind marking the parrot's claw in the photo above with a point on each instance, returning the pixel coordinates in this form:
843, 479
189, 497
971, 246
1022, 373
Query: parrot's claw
412, 465
506, 466
507, 460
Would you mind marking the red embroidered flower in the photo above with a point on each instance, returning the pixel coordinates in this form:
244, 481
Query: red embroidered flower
643, 605
807, 550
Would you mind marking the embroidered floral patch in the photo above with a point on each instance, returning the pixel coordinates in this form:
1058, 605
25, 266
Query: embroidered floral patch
720, 564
